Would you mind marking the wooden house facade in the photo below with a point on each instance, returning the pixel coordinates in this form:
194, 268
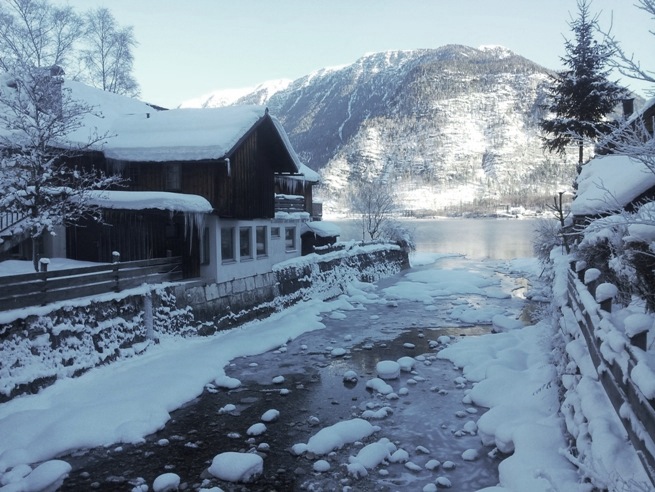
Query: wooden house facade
198, 183
235, 233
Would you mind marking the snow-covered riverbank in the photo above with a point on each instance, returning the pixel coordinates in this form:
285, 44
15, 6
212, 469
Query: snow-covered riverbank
398, 436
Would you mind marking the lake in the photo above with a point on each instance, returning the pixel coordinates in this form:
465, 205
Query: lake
501, 239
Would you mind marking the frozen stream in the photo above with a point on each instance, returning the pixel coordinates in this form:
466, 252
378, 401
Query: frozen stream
303, 380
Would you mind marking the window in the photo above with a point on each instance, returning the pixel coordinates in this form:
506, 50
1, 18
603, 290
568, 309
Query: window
204, 247
260, 239
290, 238
275, 232
245, 246
227, 243
173, 177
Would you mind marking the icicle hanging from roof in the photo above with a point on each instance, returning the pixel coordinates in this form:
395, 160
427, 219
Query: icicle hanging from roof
193, 221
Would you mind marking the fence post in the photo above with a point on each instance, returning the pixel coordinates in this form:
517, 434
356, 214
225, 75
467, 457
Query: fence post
116, 264
605, 294
591, 277
147, 316
43, 269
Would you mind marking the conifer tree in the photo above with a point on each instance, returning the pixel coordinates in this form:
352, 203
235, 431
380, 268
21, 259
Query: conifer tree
581, 97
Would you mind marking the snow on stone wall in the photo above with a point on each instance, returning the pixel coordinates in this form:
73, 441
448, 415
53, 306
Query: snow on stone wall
66, 341
313, 276
38, 349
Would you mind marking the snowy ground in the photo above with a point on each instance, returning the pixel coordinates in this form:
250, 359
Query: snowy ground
19, 267
420, 429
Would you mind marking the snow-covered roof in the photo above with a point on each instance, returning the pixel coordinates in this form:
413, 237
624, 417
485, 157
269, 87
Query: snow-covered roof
188, 134
142, 200
287, 143
321, 229
132, 130
309, 174
609, 183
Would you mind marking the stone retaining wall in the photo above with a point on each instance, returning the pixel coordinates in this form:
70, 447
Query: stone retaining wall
37, 349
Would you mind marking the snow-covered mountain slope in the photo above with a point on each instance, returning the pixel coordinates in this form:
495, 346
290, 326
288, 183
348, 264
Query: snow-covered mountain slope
447, 126
258, 95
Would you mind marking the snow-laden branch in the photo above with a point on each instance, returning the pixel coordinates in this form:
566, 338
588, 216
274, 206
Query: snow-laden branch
43, 177
622, 60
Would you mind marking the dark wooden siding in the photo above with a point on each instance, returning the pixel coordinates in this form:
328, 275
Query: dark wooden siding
248, 193
136, 235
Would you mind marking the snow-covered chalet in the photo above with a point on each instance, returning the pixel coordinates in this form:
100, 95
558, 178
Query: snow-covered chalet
617, 178
203, 184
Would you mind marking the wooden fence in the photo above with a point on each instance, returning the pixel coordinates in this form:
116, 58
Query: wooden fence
618, 385
36, 289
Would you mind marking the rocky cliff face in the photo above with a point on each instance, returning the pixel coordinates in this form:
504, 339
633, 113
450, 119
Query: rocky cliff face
448, 126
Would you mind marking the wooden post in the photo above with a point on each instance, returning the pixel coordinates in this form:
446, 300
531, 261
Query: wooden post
116, 261
639, 340
606, 305
43, 269
147, 316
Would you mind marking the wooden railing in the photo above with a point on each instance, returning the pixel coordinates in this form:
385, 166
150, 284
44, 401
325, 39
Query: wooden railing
35, 289
289, 203
8, 219
618, 385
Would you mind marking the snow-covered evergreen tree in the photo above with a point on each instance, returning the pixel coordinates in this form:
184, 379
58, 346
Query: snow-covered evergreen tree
581, 97
39, 180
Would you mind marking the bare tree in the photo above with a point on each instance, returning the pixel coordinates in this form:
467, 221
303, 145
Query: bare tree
108, 57
624, 61
373, 202
39, 181
36, 33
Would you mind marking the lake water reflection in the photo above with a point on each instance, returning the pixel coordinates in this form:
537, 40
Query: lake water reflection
476, 238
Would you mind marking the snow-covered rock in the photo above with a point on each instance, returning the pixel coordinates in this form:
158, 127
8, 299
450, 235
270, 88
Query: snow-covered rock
227, 382
388, 369
373, 454
350, 377
166, 482
256, 429
321, 466
270, 415
377, 384
406, 363
337, 435
47, 477
237, 467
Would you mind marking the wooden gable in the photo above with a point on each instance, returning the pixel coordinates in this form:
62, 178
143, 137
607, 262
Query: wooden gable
240, 185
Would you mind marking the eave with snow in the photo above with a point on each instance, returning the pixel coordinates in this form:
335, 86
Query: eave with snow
621, 176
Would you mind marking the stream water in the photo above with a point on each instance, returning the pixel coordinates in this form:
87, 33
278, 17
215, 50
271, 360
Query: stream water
427, 420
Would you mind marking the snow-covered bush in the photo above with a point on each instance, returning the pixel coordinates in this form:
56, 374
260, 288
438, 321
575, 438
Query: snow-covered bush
547, 235
396, 232
622, 247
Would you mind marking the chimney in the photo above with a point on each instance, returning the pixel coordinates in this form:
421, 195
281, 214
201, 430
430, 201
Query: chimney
48, 82
628, 107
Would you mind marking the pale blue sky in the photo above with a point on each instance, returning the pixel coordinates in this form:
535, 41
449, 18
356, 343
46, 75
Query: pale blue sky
191, 47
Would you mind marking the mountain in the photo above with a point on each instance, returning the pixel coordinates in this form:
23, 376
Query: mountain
449, 126
231, 97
